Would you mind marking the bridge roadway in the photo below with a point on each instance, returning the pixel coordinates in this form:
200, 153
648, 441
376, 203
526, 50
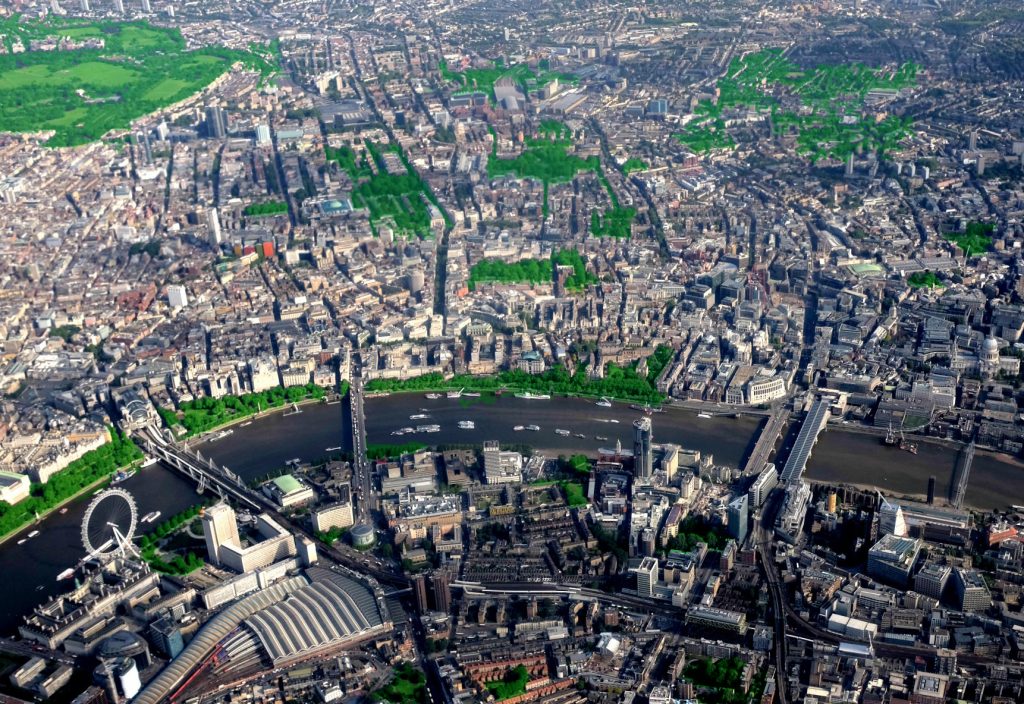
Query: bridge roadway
766, 441
230, 485
206, 472
814, 422
960, 486
361, 469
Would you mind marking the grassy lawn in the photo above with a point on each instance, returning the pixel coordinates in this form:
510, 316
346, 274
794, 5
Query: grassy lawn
101, 73
68, 119
408, 686
165, 88
574, 494
511, 685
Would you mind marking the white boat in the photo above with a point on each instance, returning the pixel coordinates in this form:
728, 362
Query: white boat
295, 410
64, 510
518, 428
602, 438
534, 428
467, 424
703, 415
563, 433
122, 476
418, 416
22, 541
242, 425
454, 394
605, 402
149, 461
613, 420
533, 397
428, 428
33, 534
398, 432
471, 395
332, 449
580, 435
151, 516
66, 574
433, 396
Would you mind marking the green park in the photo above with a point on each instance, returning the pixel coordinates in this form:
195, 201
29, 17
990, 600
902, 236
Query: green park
207, 413
975, 239
525, 77
547, 159
171, 547
83, 93
830, 122
924, 279
402, 200
533, 271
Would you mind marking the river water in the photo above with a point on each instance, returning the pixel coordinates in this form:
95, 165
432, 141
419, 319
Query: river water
267, 443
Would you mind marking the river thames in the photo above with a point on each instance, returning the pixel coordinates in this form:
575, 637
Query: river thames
264, 445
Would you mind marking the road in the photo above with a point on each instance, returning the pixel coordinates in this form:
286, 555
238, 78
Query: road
25, 649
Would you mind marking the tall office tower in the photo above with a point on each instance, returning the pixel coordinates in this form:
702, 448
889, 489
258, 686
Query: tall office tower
216, 122
647, 577
146, 7
643, 457
219, 528
441, 591
262, 135
177, 296
849, 164
119, 6
738, 518
84, 5
55, 8
213, 225
419, 590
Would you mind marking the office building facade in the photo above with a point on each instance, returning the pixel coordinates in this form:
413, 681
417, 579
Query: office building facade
737, 513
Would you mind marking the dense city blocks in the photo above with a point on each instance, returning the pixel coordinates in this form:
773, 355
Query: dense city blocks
478, 352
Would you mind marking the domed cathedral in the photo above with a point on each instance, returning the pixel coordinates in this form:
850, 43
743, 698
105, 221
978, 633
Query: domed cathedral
987, 361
